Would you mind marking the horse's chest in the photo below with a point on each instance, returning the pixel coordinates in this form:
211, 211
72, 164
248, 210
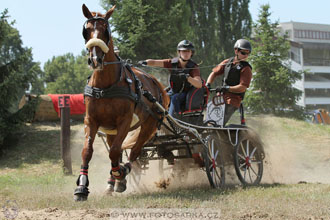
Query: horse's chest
109, 108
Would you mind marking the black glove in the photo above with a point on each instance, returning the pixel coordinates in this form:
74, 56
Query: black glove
223, 89
142, 63
208, 85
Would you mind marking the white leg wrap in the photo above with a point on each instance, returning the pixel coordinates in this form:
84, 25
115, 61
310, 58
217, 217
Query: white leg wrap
82, 180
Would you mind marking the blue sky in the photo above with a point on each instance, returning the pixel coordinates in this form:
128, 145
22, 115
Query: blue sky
53, 28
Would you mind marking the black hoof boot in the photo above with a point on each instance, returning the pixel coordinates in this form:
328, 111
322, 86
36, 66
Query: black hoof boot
121, 187
81, 193
121, 171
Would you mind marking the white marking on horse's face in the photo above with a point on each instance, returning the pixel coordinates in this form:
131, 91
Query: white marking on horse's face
96, 33
94, 53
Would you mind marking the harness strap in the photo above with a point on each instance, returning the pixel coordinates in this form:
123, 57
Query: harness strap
112, 92
227, 69
138, 84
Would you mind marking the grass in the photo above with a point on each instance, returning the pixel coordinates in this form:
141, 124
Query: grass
31, 174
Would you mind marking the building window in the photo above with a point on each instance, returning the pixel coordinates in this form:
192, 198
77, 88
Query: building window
316, 54
295, 54
317, 93
317, 77
309, 34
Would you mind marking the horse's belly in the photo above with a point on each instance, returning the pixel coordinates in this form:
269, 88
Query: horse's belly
109, 131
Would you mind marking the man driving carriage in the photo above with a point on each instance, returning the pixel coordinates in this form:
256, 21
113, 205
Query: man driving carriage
237, 77
184, 74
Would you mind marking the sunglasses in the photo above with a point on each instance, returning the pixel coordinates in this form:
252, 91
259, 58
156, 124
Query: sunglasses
244, 53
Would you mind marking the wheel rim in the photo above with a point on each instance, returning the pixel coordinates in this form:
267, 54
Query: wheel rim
215, 166
249, 165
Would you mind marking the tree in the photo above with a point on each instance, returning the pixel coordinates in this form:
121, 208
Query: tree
148, 28
66, 74
152, 29
17, 73
272, 88
216, 25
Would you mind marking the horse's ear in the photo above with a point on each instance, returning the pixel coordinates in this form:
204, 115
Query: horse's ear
109, 13
86, 12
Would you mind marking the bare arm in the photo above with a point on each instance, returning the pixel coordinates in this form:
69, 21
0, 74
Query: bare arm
159, 63
234, 89
237, 89
211, 78
195, 81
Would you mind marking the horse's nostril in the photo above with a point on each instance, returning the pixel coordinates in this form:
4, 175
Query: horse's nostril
89, 61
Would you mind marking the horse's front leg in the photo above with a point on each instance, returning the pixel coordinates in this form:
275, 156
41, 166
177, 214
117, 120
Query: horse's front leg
118, 172
81, 192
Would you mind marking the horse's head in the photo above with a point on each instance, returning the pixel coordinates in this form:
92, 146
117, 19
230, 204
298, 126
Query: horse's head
97, 34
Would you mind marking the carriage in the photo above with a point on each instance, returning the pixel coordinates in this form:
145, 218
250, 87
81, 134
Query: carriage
212, 147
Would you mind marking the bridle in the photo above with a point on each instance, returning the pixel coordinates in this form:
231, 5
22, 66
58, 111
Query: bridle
103, 43
96, 18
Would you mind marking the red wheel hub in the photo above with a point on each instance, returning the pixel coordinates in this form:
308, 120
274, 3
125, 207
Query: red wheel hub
247, 161
213, 163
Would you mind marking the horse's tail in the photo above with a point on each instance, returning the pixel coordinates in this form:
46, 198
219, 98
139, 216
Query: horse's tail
131, 139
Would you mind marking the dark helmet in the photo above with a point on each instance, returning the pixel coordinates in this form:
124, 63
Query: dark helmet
186, 45
243, 44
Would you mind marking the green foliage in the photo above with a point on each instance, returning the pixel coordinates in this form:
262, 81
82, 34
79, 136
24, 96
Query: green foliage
148, 28
66, 74
152, 29
272, 88
216, 25
17, 73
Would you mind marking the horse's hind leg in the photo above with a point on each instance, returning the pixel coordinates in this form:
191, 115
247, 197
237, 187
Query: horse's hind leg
81, 192
148, 129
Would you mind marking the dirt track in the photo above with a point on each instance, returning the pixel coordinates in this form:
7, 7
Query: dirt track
292, 156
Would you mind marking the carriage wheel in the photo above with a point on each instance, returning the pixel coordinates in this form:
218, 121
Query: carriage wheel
248, 162
214, 162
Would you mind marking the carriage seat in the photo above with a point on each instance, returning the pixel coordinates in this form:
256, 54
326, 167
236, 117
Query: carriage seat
194, 106
196, 101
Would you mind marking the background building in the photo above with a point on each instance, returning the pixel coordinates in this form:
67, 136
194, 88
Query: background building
310, 50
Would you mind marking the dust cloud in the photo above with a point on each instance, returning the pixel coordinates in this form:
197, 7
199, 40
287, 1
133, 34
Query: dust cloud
292, 157
289, 159
139, 180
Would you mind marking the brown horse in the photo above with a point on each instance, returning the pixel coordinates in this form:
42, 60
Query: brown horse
115, 103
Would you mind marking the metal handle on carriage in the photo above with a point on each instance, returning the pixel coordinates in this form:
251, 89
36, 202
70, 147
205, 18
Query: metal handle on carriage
218, 99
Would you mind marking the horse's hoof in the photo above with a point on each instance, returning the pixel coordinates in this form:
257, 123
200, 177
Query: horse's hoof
110, 189
81, 193
121, 187
80, 198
